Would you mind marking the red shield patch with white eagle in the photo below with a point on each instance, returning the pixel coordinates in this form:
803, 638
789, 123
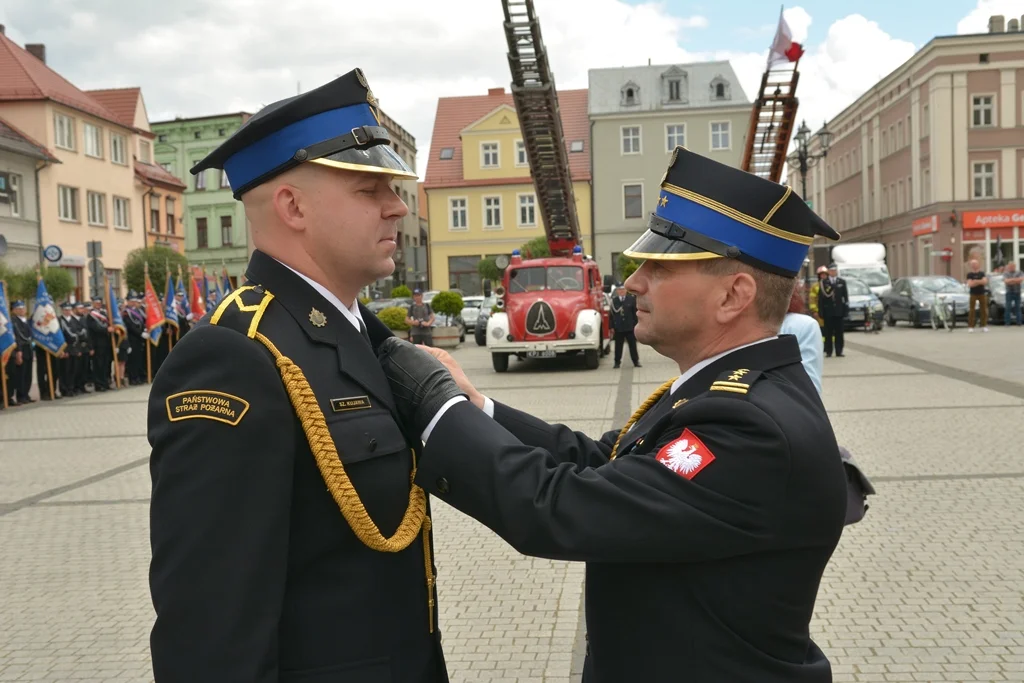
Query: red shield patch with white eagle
686, 456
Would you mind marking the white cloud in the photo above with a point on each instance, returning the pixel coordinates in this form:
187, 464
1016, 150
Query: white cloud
977, 20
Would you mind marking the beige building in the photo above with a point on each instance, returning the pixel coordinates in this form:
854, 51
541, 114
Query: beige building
638, 116
90, 194
410, 257
931, 159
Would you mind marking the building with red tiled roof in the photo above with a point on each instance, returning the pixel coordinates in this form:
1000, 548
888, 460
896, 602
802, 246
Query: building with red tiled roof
90, 195
480, 195
20, 157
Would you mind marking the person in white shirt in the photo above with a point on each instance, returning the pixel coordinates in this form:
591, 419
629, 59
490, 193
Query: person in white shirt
808, 335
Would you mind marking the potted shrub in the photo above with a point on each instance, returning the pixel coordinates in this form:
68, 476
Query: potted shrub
401, 292
448, 305
394, 318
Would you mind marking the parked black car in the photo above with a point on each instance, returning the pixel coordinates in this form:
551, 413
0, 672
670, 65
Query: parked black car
864, 305
912, 298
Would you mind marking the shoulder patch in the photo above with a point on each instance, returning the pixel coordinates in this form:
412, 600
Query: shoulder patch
686, 456
736, 381
208, 404
242, 309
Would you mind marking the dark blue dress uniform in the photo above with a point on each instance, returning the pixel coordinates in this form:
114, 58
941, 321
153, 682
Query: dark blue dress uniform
706, 523
289, 543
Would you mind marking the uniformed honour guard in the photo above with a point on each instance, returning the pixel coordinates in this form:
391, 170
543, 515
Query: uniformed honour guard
833, 305
19, 364
707, 520
288, 540
135, 326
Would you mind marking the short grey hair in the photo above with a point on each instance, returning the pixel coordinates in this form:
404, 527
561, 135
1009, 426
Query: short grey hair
774, 292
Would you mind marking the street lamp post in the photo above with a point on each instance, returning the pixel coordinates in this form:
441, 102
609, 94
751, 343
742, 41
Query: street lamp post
803, 158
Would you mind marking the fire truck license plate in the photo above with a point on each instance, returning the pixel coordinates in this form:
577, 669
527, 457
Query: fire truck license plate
540, 354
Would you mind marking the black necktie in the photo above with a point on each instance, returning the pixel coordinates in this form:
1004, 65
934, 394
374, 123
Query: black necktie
362, 331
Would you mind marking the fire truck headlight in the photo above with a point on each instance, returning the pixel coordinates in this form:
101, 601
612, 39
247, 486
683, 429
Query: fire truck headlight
497, 332
586, 329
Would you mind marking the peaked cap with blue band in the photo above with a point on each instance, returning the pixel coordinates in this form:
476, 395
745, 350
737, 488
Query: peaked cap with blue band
336, 125
709, 210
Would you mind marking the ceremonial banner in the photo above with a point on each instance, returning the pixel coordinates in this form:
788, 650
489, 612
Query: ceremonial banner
7, 340
45, 325
154, 313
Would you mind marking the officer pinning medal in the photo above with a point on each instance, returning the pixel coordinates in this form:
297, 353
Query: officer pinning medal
707, 520
289, 539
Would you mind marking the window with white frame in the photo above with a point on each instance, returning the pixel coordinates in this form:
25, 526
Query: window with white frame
674, 90
631, 139
926, 124
675, 136
14, 190
93, 140
489, 154
200, 180
122, 219
64, 131
885, 202
720, 135
67, 203
521, 153
527, 210
97, 208
982, 110
224, 180
899, 135
899, 197
457, 214
633, 201
984, 180
910, 193
145, 152
118, 149
167, 166
492, 213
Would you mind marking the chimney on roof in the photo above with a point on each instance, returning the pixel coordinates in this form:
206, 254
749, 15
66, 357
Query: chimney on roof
37, 50
1012, 26
496, 91
3, 29
996, 23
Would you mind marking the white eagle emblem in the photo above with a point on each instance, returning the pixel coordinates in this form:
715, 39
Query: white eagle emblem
682, 457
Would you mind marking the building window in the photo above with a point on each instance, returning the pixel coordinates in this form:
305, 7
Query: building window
521, 153
447, 153
13, 190
675, 136
154, 219
167, 166
633, 201
527, 210
630, 139
97, 208
224, 184
202, 238
492, 213
464, 273
720, 89
67, 203
674, 90
145, 152
118, 149
926, 186
489, 154
985, 180
200, 180
576, 146
458, 219
899, 197
899, 135
982, 110
169, 204
93, 141
220, 132
926, 124
161, 138
64, 131
630, 94
122, 218
225, 231
197, 135
720, 135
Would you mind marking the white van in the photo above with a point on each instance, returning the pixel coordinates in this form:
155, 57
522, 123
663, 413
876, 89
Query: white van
864, 261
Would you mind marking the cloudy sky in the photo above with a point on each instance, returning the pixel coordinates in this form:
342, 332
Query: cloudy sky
193, 57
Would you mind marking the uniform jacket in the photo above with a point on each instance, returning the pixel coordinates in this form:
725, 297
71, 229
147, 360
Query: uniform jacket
700, 574
22, 334
833, 299
624, 313
256, 576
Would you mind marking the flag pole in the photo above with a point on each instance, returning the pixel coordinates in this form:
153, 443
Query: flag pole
110, 323
149, 362
3, 361
170, 328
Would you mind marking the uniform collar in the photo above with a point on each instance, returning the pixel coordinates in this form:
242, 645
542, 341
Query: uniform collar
708, 361
351, 314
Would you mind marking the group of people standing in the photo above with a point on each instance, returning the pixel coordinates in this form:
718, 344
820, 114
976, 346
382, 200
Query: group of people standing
93, 344
829, 301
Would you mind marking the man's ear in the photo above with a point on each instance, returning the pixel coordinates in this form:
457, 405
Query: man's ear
739, 295
291, 207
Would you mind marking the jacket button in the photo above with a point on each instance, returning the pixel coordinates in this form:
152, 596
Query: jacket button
372, 444
442, 485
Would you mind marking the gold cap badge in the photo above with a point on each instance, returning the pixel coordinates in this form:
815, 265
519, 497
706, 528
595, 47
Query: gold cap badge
317, 318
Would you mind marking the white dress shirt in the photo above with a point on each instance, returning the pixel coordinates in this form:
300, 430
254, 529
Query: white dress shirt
351, 313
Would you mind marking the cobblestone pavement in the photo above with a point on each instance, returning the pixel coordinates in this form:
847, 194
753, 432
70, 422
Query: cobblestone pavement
927, 588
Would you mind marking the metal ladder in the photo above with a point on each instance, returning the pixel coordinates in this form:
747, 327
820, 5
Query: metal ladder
771, 123
536, 102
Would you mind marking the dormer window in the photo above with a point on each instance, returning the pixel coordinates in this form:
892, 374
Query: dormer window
673, 90
674, 86
720, 89
447, 153
630, 94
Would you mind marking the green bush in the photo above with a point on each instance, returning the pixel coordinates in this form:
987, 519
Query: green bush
159, 260
448, 304
489, 270
364, 300
627, 266
394, 318
22, 283
401, 292
536, 248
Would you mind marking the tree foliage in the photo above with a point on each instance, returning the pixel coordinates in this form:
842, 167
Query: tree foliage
394, 318
627, 266
448, 303
22, 283
489, 270
536, 248
401, 292
159, 260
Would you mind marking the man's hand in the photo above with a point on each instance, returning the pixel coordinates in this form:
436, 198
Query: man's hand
457, 374
419, 382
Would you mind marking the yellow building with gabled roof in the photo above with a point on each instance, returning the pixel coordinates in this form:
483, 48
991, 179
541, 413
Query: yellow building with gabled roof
480, 194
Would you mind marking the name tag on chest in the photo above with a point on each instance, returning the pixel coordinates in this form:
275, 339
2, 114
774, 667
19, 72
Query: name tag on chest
341, 405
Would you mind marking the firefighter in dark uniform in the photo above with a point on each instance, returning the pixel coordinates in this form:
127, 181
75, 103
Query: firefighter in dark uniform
833, 305
19, 364
288, 540
708, 520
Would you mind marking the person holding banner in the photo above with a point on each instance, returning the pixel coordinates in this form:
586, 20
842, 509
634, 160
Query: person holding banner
49, 339
19, 365
135, 325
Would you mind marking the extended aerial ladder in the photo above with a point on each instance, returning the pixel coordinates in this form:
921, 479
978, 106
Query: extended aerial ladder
772, 121
536, 102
